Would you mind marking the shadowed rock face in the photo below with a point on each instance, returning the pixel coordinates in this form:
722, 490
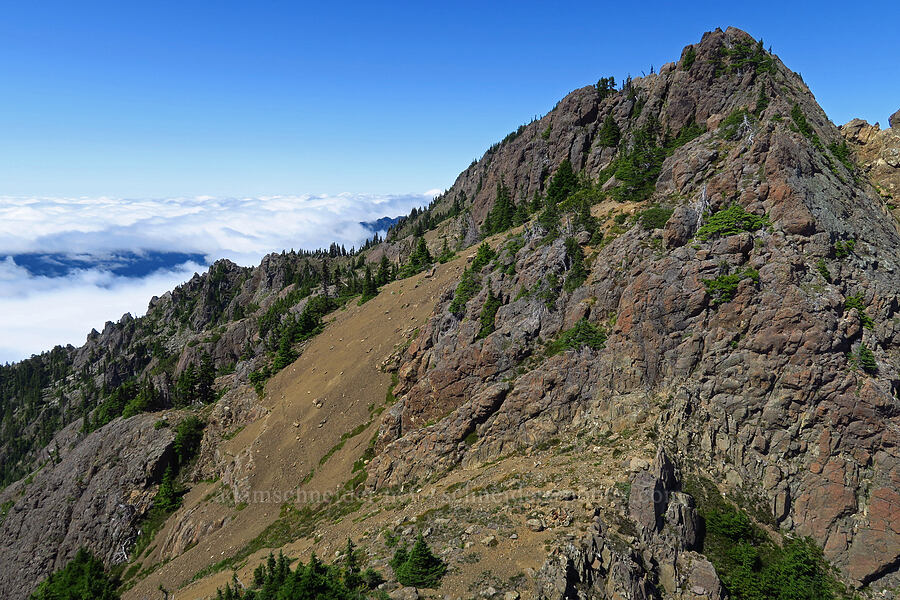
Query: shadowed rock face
758, 392
93, 497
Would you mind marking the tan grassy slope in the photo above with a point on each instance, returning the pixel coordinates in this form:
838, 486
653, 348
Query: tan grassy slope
479, 519
339, 368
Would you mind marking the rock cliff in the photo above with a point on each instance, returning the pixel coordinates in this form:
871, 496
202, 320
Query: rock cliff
763, 392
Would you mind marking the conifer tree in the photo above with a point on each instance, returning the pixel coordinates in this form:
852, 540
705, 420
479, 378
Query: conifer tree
206, 375
167, 498
421, 568
609, 134
82, 578
384, 271
563, 184
370, 289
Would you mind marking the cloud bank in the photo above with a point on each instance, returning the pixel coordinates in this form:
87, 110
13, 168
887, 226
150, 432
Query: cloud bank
38, 312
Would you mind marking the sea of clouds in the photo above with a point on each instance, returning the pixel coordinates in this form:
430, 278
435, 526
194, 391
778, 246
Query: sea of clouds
38, 312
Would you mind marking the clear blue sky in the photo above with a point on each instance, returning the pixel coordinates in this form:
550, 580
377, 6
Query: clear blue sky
254, 98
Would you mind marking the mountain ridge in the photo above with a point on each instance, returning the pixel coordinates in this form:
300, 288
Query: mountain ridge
758, 385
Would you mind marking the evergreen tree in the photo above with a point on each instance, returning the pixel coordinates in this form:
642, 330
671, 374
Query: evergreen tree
446, 253
577, 271
167, 499
206, 375
188, 435
351, 571
186, 387
501, 216
370, 289
422, 256
421, 568
522, 214
384, 271
867, 359
609, 134
83, 578
563, 184
537, 203
549, 218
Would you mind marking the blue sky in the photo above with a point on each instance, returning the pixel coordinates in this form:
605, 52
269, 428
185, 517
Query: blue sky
164, 129
159, 99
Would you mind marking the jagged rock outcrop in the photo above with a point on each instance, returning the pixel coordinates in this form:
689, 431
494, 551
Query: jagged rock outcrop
763, 391
92, 496
878, 151
660, 563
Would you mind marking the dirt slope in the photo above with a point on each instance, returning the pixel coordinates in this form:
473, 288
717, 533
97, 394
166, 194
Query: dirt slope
341, 368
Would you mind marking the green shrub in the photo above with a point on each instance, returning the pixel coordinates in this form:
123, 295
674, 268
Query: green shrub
488, 312
466, 289
823, 270
419, 567
843, 153
856, 301
752, 566
866, 360
731, 125
730, 220
690, 55
689, 132
723, 288
577, 272
655, 217
804, 127
483, 256
843, 249
583, 334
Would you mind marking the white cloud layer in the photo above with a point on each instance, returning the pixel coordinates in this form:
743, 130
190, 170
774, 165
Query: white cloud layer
37, 313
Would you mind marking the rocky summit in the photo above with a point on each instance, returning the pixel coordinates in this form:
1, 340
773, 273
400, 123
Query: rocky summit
648, 346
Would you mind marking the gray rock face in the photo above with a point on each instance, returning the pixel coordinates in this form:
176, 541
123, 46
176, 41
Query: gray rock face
761, 393
894, 119
93, 498
602, 566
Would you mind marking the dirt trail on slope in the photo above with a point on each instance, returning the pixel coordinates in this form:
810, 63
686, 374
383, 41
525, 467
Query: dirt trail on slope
339, 369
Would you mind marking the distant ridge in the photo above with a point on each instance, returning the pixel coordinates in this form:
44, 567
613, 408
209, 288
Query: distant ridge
382, 224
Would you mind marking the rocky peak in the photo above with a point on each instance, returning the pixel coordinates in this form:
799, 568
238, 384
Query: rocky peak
764, 389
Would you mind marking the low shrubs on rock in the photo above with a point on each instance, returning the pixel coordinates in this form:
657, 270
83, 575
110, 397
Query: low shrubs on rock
731, 220
583, 334
723, 288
